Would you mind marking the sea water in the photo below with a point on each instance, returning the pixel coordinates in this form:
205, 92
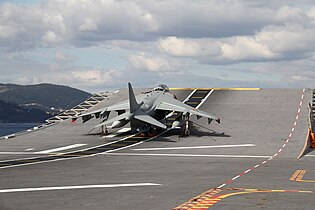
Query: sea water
10, 128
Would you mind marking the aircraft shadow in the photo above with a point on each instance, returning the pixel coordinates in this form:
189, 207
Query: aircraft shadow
194, 132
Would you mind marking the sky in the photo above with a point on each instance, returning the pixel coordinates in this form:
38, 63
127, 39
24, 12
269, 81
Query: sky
101, 45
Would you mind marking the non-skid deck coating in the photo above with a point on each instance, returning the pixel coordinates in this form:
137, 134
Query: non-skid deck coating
197, 172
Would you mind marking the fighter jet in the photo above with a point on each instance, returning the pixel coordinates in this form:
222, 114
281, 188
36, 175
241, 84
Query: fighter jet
147, 111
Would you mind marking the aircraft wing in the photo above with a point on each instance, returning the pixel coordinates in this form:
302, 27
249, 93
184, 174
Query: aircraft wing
119, 106
89, 115
170, 104
204, 114
104, 112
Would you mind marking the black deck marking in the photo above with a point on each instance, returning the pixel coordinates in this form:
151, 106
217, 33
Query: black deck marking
83, 153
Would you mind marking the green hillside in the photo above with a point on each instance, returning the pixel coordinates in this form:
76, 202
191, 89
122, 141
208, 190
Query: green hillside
42, 96
13, 113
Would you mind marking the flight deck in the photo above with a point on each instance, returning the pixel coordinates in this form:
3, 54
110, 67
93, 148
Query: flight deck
248, 161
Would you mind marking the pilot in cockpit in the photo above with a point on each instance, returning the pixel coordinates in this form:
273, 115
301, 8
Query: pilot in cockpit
162, 87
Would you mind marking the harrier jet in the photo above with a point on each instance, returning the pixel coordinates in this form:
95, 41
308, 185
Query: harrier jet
147, 111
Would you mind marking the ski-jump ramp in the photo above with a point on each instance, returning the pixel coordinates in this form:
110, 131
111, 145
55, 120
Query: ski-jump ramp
248, 161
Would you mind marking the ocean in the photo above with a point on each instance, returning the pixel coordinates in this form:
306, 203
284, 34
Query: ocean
9, 128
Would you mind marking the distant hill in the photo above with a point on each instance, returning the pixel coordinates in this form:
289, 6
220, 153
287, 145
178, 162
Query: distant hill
13, 113
42, 96
19, 103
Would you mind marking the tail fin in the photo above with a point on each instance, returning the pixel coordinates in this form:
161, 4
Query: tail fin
132, 99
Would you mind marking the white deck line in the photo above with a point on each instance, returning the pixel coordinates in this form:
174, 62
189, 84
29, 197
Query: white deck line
204, 99
33, 163
19, 153
60, 148
186, 99
196, 147
77, 187
189, 155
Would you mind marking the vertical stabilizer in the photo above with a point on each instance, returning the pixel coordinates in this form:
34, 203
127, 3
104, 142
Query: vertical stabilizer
132, 99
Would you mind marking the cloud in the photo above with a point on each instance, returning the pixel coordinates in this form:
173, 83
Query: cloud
24, 80
88, 23
80, 22
156, 64
189, 47
86, 79
62, 58
158, 39
245, 48
271, 43
95, 77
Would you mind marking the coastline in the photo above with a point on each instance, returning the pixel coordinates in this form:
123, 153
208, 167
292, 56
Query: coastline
10, 128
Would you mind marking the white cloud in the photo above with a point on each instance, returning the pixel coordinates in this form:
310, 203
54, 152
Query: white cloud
173, 35
245, 48
287, 42
62, 58
296, 77
156, 64
189, 47
88, 25
94, 77
24, 80
87, 79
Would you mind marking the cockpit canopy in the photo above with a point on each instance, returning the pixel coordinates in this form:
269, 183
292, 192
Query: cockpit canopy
162, 87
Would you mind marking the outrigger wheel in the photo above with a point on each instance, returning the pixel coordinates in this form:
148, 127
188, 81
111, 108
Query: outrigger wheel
104, 130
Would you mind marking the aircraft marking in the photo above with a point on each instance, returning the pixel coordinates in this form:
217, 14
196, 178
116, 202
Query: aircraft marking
188, 97
60, 149
195, 147
298, 175
270, 158
278, 151
34, 189
189, 155
216, 89
212, 196
87, 152
17, 153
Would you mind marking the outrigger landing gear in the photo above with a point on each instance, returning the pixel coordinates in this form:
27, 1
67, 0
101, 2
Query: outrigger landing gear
104, 130
187, 131
186, 125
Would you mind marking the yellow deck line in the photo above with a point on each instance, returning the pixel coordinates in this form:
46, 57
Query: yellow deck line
204, 200
295, 175
215, 89
298, 175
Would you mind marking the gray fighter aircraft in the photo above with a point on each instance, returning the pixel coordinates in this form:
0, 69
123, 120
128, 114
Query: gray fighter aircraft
147, 111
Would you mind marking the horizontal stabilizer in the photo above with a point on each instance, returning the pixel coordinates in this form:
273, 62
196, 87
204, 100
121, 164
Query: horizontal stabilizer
150, 120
